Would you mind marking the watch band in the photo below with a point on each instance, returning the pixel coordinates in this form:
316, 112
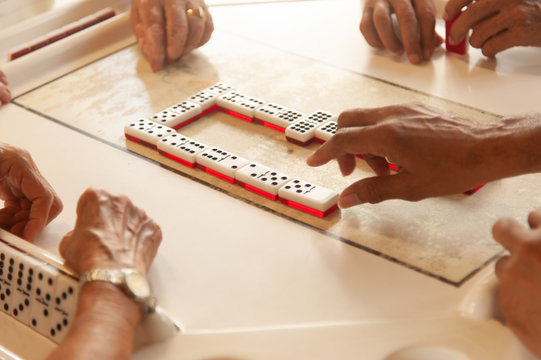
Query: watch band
131, 282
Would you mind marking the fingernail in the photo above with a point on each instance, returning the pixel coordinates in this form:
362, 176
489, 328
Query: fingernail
349, 200
414, 58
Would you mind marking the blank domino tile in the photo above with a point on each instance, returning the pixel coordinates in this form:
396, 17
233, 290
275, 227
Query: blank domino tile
178, 115
261, 180
301, 132
220, 163
239, 105
313, 199
146, 132
325, 131
219, 88
180, 148
206, 100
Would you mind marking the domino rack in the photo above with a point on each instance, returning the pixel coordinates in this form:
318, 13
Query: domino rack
159, 131
38, 290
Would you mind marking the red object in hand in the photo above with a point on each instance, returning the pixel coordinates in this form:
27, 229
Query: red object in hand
459, 48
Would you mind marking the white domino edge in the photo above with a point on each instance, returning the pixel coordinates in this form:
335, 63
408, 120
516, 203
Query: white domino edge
184, 151
321, 200
261, 179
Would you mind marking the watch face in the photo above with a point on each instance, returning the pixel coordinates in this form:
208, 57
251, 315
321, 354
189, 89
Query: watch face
138, 285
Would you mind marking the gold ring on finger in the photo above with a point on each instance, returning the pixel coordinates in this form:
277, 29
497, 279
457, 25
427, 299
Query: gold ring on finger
199, 12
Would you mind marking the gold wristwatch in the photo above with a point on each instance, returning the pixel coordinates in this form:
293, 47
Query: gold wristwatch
131, 282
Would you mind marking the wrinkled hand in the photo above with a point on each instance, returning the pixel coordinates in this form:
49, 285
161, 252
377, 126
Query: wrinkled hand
5, 94
437, 153
416, 18
497, 24
110, 232
166, 32
30, 203
520, 278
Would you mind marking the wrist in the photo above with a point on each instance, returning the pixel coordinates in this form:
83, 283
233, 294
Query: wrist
105, 300
513, 146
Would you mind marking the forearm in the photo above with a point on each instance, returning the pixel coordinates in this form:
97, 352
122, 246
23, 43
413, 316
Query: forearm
103, 326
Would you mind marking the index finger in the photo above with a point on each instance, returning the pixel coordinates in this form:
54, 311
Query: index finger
177, 29
475, 13
353, 140
154, 33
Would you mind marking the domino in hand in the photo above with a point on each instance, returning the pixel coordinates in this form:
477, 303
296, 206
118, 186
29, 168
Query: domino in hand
146, 132
313, 199
459, 48
178, 115
261, 180
180, 148
220, 163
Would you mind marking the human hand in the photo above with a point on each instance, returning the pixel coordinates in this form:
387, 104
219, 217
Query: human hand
110, 232
166, 31
437, 153
5, 94
520, 278
416, 18
497, 24
30, 203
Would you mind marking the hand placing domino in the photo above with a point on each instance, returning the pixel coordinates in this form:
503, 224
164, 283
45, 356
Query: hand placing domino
180, 148
220, 163
146, 132
313, 199
261, 180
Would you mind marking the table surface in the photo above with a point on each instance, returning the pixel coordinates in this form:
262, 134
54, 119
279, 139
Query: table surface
286, 292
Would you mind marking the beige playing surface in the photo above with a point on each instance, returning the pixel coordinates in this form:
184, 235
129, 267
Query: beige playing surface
448, 238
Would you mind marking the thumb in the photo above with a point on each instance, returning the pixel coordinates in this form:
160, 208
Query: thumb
377, 189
